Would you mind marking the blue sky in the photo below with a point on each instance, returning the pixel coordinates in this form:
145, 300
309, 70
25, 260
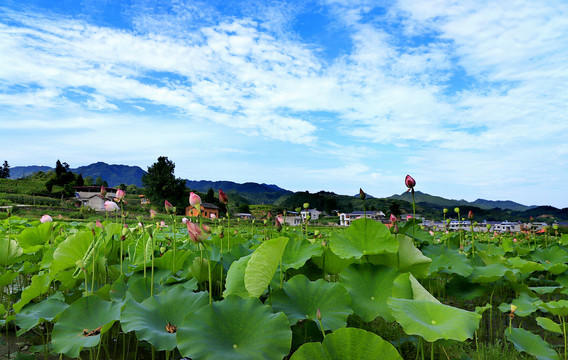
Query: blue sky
468, 97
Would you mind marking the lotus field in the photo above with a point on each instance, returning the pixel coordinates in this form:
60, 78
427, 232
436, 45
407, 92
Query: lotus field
202, 289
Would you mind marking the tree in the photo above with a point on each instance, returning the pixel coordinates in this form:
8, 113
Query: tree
210, 197
89, 181
5, 171
80, 181
99, 181
161, 184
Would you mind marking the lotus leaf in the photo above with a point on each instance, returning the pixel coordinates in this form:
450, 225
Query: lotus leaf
333, 263
156, 319
406, 286
551, 255
141, 289
297, 252
363, 237
39, 286
235, 283
369, 287
235, 328
300, 298
10, 252
33, 314
530, 343
82, 324
548, 324
263, 264
71, 251
559, 307
348, 344
525, 266
434, 321
490, 273
166, 260
525, 304
463, 288
447, 261
7, 277
34, 238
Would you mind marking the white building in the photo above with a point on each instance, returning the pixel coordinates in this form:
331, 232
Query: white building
90, 196
314, 214
346, 218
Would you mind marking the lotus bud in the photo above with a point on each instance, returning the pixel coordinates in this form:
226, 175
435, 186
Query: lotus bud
195, 233
119, 195
362, 194
470, 215
223, 198
45, 218
318, 314
393, 219
98, 224
152, 213
277, 225
431, 233
111, 206
269, 216
184, 220
169, 207
206, 228
409, 182
194, 200
213, 216
103, 191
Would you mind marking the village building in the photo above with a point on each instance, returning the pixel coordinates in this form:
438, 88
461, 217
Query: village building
206, 210
90, 196
313, 213
346, 218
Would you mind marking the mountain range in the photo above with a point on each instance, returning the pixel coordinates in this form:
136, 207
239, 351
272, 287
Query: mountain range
257, 193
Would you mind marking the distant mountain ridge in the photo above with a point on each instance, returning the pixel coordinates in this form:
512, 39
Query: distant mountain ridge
421, 197
255, 193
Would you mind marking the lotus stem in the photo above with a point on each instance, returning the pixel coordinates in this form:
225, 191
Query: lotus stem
174, 244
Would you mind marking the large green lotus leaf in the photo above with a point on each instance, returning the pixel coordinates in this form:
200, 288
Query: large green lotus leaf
546, 289
348, 344
434, 321
235, 328
363, 237
7, 277
34, 238
524, 266
297, 252
263, 264
490, 273
492, 250
412, 229
406, 286
141, 289
235, 283
559, 308
70, 251
551, 255
448, 261
166, 261
530, 343
34, 314
525, 304
369, 287
300, 299
39, 286
408, 258
140, 250
82, 324
151, 318
10, 251
548, 324
333, 263
555, 268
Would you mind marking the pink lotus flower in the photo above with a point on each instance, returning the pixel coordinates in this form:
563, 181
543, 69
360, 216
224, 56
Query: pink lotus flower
98, 224
213, 216
409, 182
152, 213
194, 200
45, 218
431, 233
163, 224
119, 195
110, 206
223, 198
515, 240
393, 219
408, 217
195, 233
184, 220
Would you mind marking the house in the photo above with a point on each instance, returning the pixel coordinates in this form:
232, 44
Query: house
313, 213
346, 218
244, 216
293, 220
144, 200
206, 210
90, 196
